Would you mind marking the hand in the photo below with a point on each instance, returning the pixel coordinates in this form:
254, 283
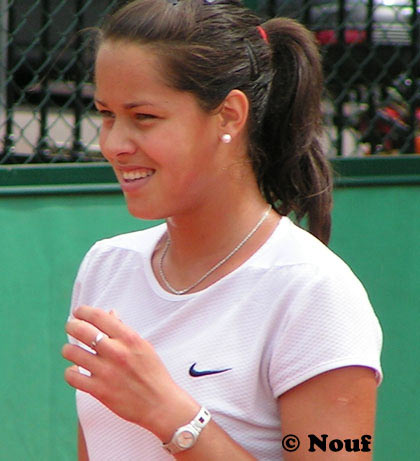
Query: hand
127, 374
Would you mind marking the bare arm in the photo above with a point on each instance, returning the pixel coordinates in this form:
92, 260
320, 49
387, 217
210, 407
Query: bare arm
339, 404
81, 445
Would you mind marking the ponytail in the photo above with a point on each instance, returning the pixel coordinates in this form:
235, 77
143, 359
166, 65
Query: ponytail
293, 173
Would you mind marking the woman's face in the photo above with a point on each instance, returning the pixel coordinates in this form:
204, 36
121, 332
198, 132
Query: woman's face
165, 150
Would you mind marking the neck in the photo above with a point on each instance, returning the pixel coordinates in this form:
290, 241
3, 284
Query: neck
211, 232
202, 236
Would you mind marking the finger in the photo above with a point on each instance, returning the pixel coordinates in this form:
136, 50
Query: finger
102, 320
78, 380
86, 333
83, 358
115, 314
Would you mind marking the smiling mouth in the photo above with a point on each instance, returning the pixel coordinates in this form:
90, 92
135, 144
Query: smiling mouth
136, 175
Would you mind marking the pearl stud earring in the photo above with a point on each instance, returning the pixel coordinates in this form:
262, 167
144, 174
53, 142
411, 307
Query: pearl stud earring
226, 138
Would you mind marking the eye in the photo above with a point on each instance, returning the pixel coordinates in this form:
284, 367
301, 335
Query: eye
105, 113
143, 116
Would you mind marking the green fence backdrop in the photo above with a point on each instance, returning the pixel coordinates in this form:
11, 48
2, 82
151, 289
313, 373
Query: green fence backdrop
44, 234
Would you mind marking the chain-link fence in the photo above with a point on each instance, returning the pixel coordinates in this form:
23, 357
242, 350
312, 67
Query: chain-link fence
371, 52
45, 74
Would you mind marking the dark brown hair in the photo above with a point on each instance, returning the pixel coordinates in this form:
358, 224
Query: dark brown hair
212, 47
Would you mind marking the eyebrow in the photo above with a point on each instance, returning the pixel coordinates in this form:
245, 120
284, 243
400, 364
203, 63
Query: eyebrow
128, 105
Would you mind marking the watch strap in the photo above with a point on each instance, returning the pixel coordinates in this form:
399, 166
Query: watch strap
201, 420
194, 427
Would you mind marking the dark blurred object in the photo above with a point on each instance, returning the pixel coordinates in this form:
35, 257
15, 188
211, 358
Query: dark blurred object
358, 33
45, 38
365, 43
46, 62
388, 130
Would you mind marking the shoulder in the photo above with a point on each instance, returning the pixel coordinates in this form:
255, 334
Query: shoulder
317, 292
113, 251
141, 241
317, 277
133, 241
297, 253
325, 316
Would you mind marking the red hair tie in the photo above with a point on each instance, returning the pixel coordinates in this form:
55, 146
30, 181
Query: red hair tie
263, 33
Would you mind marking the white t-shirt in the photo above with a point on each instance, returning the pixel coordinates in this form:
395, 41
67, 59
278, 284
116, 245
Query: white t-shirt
291, 311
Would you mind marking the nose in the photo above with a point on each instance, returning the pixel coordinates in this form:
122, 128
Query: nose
116, 139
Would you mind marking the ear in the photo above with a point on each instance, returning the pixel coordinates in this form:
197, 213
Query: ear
233, 113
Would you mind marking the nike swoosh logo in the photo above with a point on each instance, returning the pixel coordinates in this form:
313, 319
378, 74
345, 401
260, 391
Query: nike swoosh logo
195, 373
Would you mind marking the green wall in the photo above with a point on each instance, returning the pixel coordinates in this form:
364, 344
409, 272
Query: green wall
43, 239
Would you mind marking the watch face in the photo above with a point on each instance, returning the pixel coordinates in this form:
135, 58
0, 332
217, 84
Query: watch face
185, 439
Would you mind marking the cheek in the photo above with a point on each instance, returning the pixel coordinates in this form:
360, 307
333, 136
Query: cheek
165, 149
102, 140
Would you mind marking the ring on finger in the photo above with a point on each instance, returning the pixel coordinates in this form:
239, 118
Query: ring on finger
98, 338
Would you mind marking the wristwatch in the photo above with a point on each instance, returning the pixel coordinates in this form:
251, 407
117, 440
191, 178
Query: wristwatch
186, 436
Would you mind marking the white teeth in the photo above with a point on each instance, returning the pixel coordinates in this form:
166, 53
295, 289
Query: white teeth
136, 174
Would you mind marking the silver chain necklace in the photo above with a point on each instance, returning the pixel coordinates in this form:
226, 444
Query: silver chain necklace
240, 245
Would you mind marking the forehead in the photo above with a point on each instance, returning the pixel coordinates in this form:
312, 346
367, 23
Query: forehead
129, 55
126, 72
127, 65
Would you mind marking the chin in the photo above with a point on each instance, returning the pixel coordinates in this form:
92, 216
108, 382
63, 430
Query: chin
143, 213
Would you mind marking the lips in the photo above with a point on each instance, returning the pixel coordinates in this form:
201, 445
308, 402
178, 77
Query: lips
134, 177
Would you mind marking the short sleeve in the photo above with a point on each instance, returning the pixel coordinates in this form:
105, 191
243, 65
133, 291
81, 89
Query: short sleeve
77, 294
329, 323
78, 283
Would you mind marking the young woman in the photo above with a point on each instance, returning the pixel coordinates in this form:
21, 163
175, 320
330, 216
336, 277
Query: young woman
235, 327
